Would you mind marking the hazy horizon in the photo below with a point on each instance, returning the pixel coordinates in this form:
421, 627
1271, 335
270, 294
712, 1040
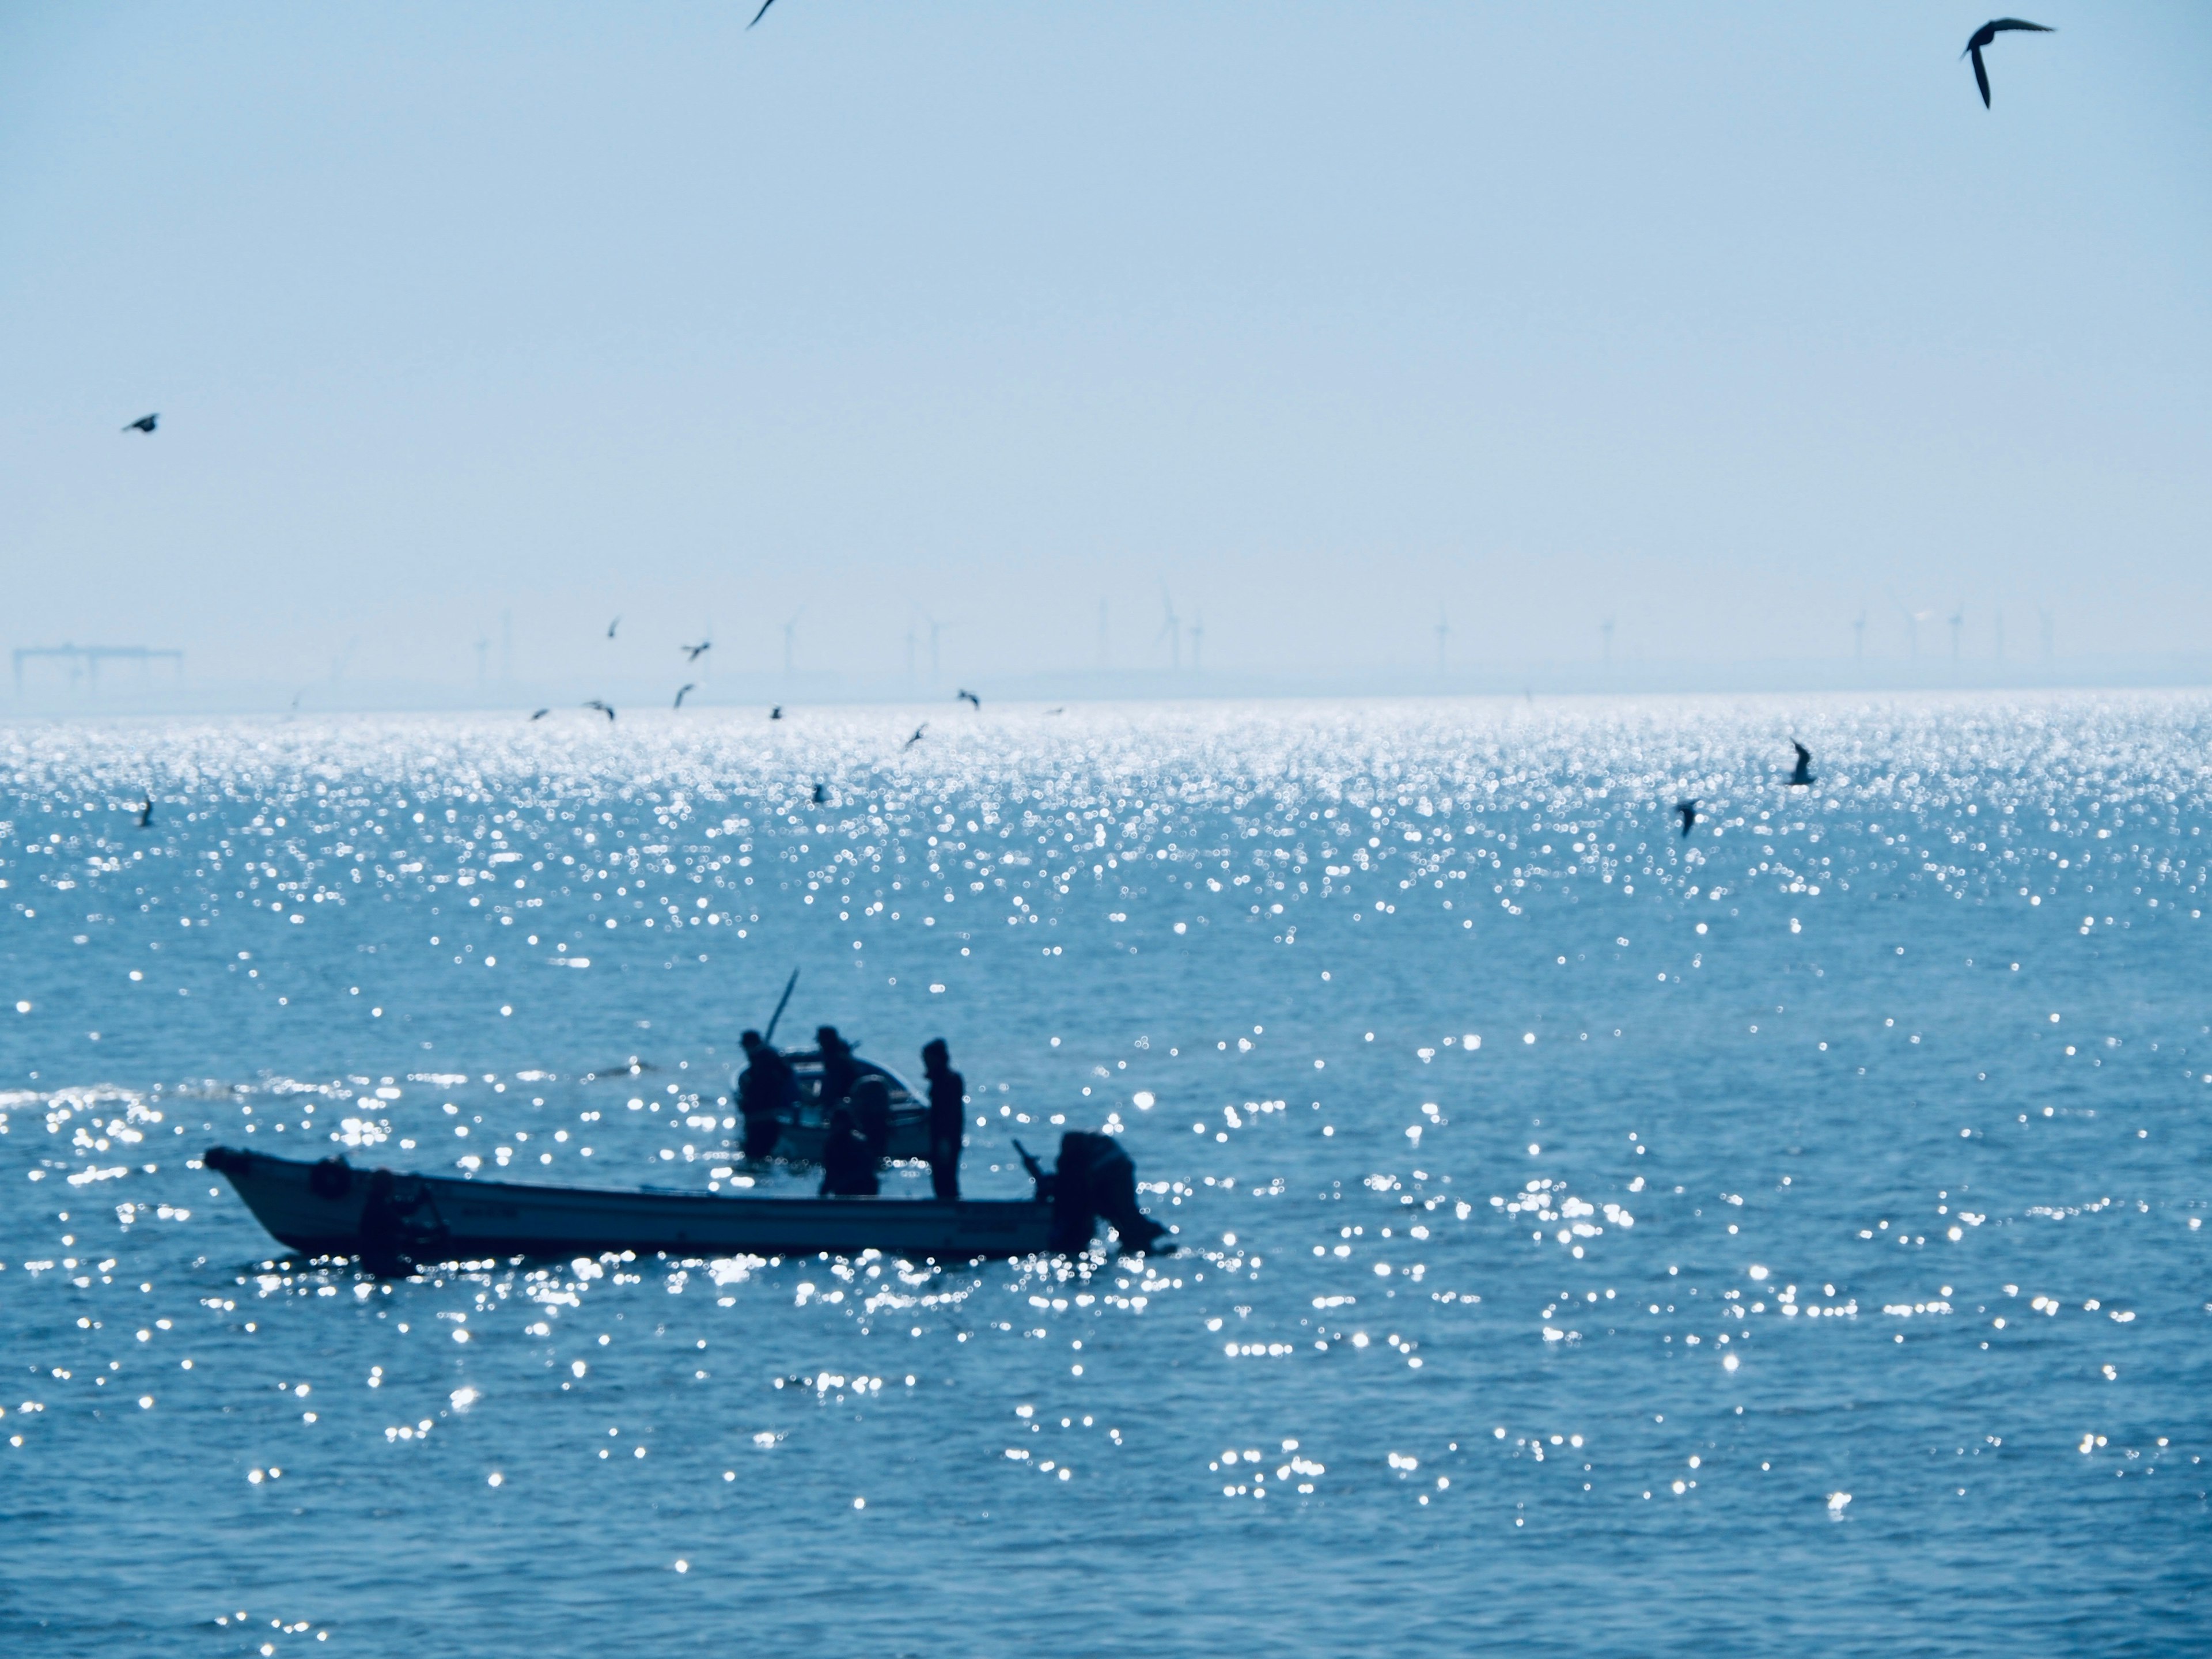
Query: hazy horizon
472, 329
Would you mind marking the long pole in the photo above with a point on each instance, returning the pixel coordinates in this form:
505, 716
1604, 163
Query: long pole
790, 985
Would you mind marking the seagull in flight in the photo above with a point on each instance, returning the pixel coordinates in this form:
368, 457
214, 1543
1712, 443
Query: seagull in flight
144, 422
541, 713
681, 690
1687, 811
1802, 776
605, 708
762, 13
966, 695
693, 653
613, 625
916, 737
1985, 35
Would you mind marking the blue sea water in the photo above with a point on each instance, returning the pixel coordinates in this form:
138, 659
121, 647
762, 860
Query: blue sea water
1787, 1237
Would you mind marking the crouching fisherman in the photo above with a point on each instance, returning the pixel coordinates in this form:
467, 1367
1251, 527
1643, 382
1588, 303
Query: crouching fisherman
849, 1164
765, 1088
1094, 1180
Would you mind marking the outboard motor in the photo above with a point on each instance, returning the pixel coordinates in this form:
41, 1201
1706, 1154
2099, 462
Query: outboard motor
1094, 1180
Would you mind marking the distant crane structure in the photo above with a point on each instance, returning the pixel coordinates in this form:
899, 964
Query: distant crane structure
89, 658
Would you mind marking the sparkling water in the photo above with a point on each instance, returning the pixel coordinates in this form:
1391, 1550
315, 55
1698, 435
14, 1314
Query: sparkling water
1786, 1235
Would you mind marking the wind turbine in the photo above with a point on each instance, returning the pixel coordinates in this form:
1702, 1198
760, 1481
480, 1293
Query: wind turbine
790, 634
1104, 657
909, 651
2000, 619
2050, 635
1198, 645
1172, 631
1958, 620
1605, 629
1913, 621
1858, 636
1443, 635
936, 628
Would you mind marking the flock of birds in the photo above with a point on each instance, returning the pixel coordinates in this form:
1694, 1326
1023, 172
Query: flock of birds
693, 653
1686, 810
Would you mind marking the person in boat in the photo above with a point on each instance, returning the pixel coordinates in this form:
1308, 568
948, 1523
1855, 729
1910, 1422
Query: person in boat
948, 1107
840, 1071
849, 1168
872, 1113
765, 1088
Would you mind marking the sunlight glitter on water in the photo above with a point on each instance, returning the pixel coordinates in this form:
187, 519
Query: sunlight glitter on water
1532, 1164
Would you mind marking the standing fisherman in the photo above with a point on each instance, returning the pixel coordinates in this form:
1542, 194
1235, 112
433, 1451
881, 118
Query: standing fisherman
765, 1087
948, 1106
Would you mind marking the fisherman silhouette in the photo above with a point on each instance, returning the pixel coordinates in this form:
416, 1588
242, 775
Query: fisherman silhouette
840, 1071
1802, 777
848, 1171
821, 795
872, 1113
764, 1090
146, 811
1687, 811
948, 1107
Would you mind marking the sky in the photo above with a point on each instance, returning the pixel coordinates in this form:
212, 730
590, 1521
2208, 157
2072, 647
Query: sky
1317, 324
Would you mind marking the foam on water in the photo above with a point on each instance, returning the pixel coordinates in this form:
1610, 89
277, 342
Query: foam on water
1791, 1234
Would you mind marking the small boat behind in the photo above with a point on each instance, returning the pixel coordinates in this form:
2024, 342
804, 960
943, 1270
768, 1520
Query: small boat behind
806, 1120
391, 1221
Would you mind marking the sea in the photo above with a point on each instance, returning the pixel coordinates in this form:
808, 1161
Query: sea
1784, 1234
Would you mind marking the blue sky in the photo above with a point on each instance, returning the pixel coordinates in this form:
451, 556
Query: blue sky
1730, 323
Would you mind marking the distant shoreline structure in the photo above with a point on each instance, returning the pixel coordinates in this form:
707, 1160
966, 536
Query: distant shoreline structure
148, 695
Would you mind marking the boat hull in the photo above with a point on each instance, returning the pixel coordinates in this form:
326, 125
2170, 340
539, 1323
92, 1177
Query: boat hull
327, 1209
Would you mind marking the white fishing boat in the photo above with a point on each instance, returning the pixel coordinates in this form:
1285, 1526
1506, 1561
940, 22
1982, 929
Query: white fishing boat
392, 1220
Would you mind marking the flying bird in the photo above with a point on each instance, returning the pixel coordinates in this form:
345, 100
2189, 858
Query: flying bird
146, 811
613, 625
693, 653
916, 737
541, 713
144, 423
966, 695
681, 690
1687, 811
762, 13
605, 708
1983, 36
1802, 775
